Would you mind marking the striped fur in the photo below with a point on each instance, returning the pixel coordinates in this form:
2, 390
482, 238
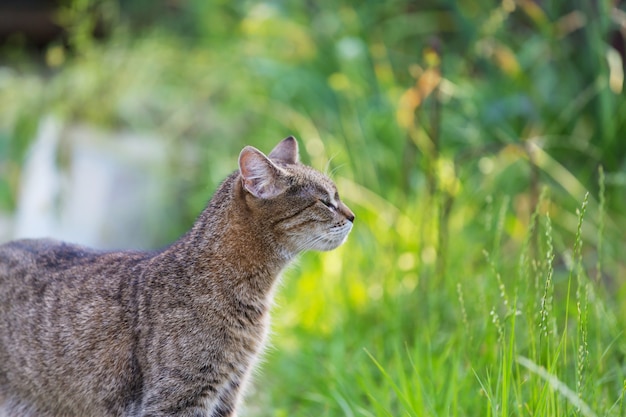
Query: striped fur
174, 332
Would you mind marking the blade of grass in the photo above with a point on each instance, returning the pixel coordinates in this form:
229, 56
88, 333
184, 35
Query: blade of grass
557, 385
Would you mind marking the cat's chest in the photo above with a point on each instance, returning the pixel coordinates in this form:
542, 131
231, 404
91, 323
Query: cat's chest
249, 326
238, 328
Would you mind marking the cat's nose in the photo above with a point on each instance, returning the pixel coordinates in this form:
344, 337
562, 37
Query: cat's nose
348, 213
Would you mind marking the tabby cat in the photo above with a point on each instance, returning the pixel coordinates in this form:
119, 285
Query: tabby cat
175, 332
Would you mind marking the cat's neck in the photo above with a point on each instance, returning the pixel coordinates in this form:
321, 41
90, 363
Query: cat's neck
229, 245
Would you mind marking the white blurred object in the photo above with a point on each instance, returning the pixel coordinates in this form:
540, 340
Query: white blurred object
104, 196
39, 187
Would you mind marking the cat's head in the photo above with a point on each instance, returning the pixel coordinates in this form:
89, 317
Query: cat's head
300, 204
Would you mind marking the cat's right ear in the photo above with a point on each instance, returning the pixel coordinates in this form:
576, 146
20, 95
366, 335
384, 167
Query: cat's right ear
286, 151
259, 175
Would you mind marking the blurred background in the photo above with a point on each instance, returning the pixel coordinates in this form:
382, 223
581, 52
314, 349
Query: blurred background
480, 144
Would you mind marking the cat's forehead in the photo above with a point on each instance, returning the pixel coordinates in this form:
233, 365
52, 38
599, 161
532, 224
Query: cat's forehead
311, 178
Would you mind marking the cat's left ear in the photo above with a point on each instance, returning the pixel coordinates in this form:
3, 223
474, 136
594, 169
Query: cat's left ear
260, 176
286, 151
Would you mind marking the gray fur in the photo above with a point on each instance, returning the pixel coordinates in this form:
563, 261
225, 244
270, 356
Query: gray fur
174, 332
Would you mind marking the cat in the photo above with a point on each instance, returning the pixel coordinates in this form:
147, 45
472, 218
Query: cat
174, 332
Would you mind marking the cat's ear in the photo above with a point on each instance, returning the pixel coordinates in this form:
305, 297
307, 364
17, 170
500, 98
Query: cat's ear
286, 151
260, 176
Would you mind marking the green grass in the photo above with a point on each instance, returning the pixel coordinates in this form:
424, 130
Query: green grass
368, 333
480, 145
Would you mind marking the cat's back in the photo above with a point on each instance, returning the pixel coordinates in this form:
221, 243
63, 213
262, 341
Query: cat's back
38, 272
45, 278
49, 258
43, 253
66, 315
28, 267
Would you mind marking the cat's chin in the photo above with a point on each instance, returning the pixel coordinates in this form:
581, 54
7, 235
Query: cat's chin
336, 238
330, 246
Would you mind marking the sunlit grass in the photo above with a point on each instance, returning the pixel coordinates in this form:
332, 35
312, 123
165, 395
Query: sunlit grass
510, 334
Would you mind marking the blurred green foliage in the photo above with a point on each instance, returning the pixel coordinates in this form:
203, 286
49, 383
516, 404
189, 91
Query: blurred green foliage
495, 79
442, 123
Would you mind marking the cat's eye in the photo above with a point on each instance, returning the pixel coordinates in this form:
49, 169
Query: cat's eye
329, 204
